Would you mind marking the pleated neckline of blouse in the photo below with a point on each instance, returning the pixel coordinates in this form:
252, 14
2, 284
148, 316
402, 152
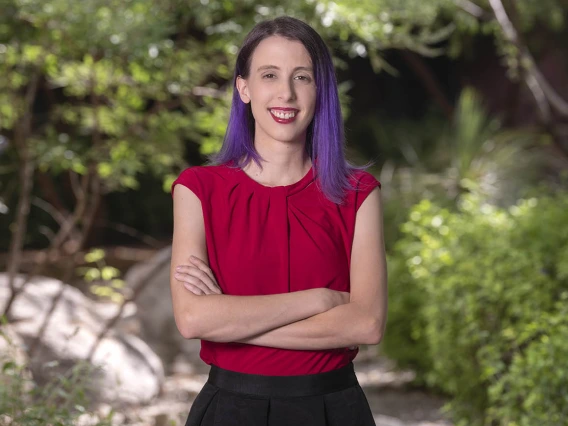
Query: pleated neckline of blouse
290, 189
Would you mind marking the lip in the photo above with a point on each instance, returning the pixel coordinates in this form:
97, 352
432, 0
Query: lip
283, 120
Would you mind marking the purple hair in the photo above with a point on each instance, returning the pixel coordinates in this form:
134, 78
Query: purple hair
325, 135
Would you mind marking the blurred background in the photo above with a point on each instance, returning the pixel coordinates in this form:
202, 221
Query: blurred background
461, 105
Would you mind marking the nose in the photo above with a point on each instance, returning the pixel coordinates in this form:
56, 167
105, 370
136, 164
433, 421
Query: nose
286, 90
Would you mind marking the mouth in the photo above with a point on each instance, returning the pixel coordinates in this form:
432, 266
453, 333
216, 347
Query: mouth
283, 116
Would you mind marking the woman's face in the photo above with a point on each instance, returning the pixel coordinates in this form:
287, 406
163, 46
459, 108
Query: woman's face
281, 89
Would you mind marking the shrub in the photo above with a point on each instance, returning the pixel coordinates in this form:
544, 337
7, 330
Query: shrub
405, 341
483, 294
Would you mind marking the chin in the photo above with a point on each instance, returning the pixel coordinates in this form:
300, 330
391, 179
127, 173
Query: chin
289, 139
287, 136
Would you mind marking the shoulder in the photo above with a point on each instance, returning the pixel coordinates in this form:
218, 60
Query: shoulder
201, 180
362, 183
362, 179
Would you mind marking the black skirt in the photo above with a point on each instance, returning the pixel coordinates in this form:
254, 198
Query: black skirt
229, 398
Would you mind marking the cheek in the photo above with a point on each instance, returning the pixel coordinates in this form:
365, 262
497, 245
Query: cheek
311, 108
311, 98
258, 100
257, 109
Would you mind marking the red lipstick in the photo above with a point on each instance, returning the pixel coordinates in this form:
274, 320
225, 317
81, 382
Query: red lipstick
282, 120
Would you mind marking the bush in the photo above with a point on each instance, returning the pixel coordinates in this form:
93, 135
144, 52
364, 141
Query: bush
405, 341
481, 308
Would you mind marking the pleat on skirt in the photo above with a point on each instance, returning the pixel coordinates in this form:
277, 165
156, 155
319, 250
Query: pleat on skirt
230, 398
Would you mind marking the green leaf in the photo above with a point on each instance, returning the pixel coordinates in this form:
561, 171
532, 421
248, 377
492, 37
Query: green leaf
95, 255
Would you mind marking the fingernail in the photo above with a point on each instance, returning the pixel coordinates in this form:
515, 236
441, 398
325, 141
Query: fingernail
178, 268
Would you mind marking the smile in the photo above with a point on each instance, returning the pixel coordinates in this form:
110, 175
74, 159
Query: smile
283, 117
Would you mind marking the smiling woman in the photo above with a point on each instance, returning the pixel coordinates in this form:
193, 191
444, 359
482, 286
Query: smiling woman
278, 261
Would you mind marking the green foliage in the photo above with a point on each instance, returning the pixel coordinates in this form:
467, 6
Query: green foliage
483, 293
405, 341
59, 402
105, 279
372, 26
533, 391
122, 91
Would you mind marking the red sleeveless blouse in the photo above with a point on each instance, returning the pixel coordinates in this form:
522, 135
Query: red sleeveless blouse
270, 240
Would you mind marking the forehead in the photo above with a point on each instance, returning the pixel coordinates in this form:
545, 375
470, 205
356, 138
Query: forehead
279, 51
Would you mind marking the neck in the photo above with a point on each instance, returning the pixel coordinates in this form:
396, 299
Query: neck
282, 164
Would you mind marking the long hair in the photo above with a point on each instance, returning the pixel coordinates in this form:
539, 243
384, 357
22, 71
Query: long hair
325, 134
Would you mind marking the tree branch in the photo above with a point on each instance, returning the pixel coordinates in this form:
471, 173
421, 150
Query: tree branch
472, 9
536, 82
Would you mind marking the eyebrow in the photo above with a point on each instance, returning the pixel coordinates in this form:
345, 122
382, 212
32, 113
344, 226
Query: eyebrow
274, 67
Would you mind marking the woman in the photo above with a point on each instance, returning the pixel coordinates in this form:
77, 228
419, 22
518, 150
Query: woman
278, 263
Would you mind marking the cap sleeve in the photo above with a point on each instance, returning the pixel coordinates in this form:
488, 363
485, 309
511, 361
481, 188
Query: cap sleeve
366, 182
190, 180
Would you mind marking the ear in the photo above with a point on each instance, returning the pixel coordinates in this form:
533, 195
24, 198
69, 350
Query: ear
242, 87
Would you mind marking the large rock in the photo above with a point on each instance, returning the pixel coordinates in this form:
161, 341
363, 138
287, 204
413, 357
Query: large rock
155, 313
127, 370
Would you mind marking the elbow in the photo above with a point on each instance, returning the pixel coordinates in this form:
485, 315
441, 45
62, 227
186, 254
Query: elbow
375, 333
187, 333
187, 327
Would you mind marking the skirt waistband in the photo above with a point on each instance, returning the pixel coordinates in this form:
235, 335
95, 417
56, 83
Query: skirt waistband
283, 386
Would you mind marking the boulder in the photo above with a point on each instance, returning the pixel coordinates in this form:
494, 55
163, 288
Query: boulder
156, 316
126, 370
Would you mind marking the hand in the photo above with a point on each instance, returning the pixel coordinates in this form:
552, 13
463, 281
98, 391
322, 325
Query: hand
197, 277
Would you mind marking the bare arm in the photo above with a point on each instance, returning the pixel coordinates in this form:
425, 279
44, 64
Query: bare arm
363, 319
226, 318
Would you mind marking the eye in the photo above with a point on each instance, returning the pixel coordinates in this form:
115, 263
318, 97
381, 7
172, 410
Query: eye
304, 78
268, 76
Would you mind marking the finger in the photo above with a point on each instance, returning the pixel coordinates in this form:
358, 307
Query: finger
199, 264
183, 268
202, 265
194, 281
195, 290
202, 276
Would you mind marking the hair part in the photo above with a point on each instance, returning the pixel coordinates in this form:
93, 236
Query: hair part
325, 138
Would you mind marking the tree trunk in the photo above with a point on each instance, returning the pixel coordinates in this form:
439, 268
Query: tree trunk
89, 211
26, 177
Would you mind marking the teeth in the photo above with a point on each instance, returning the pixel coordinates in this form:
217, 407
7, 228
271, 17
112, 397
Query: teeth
281, 114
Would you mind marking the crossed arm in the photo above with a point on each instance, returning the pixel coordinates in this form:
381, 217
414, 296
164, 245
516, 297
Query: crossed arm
306, 320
